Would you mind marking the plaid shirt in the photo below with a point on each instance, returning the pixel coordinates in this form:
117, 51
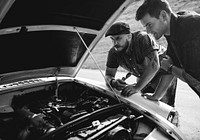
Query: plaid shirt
141, 45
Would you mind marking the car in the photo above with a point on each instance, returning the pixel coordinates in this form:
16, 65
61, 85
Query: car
44, 44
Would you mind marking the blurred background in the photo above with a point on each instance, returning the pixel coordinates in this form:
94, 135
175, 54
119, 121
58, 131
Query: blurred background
100, 52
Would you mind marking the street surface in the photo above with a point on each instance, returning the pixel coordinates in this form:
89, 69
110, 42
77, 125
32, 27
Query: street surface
187, 103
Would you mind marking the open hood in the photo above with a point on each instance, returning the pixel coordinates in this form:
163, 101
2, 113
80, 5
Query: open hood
51, 35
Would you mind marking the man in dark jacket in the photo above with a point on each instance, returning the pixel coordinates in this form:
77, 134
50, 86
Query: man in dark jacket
182, 32
137, 53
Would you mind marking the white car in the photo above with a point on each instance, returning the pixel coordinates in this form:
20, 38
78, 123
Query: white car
44, 43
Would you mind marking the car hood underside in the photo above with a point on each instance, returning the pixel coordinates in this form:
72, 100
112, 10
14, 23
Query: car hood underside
53, 34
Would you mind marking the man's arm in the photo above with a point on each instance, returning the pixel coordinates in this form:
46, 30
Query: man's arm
167, 79
184, 76
151, 66
167, 65
162, 87
110, 74
180, 73
110, 79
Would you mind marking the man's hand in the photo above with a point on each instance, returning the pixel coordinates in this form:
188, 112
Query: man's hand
129, 90
166, 62
118, 84
37, 120
150, 96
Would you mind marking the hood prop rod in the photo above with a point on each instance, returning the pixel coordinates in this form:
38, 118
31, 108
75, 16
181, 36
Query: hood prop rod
57, 85
97, 64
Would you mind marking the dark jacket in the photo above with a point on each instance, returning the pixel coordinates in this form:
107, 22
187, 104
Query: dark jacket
184, 45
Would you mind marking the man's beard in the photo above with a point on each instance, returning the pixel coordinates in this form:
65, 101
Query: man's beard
125, 46
122, 48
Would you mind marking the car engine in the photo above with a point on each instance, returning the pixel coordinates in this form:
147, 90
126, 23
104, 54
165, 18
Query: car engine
78, 113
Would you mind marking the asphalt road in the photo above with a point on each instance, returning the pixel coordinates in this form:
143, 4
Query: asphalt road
187, 103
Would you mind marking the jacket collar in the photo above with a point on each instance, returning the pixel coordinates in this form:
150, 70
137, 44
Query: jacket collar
173, 26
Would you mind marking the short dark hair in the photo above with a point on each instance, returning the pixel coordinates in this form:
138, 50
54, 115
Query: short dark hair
153, 8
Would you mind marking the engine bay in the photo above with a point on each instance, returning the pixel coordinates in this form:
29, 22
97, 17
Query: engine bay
78, 112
